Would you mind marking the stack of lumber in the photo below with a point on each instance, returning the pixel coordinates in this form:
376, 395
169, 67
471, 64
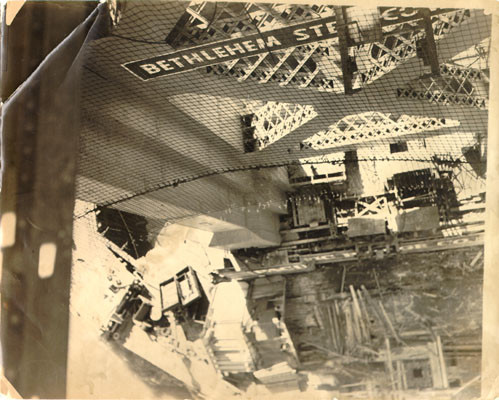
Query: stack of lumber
279, 377
347, 323
353, 326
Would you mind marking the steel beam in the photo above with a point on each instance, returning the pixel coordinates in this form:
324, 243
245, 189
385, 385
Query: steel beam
344, 44
431, 46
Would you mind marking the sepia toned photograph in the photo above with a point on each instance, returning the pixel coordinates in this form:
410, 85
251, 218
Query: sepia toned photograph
248, 200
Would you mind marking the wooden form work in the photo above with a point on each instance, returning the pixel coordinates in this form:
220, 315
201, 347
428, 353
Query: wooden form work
183, 288
350, 321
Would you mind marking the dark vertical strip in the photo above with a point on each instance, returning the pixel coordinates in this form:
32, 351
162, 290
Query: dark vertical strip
343, 37
39, 137
430, 42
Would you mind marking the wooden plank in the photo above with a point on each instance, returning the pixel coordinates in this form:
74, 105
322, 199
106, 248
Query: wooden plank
306, 228
389, 362
414, 333
368, 350
436, 372
443, 368
358, 315
283, 306
477, 257
337, 318
400, 385
374, 308
168, 294
350, 335
188, 286
467, 385
352, 316
389, 322
404, 376
315, 181
333, 353
463, 348
343, 276
377, 284
295, 214
362, 303
331, 327
365, 314
318, 317
329, 297
336, 327
370, 393
326, 325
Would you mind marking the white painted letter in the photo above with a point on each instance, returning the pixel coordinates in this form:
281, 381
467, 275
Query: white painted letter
207, 56
331, 27
194, 57
176, 61
303, 35
317, 30
387, 14
250, 46
237, 47
271, 41
220, 52
163, 64
150, 68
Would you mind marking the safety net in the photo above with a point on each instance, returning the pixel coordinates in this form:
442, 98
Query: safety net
206, 111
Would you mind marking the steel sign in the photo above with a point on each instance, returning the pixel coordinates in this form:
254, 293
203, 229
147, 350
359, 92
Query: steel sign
234, 48
390, 18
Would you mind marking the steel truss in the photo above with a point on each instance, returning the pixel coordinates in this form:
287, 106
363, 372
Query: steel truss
311, 65
374, 125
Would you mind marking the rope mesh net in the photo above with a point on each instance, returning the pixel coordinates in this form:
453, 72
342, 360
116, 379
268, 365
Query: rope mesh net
329, 119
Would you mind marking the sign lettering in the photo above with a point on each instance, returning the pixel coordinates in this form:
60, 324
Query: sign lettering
235, 48
391, 19
400, 18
